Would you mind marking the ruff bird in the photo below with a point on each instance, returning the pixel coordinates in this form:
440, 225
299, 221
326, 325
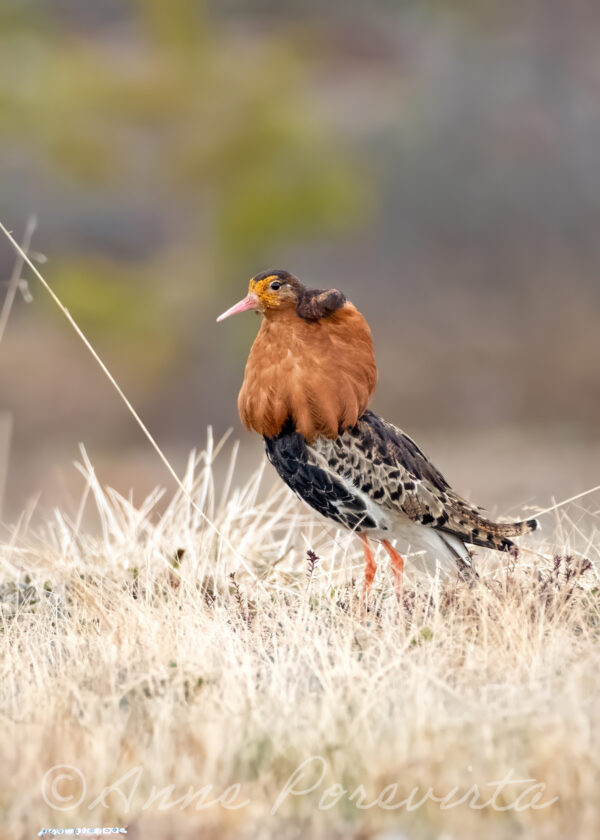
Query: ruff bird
307, 385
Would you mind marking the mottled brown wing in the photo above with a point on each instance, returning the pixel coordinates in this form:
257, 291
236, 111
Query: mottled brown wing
387, 465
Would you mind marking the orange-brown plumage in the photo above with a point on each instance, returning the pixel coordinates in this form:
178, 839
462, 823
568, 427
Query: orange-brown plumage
320, 373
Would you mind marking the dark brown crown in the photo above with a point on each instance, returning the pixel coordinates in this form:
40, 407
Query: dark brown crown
312, 304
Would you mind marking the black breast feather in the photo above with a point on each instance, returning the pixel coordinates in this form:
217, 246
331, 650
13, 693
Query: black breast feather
288, 452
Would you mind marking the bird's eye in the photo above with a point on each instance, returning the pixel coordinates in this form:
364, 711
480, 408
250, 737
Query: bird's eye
276, 285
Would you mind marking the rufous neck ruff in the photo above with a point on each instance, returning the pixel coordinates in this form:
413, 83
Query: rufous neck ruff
318, 371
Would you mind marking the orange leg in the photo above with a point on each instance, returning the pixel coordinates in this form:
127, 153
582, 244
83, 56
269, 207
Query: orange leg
397, 565
370, 568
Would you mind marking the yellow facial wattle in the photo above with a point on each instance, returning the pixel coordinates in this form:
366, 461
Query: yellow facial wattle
267, 297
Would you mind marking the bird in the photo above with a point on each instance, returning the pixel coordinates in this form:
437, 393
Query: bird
307, 386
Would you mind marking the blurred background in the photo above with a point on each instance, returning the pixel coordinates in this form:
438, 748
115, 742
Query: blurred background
438, 161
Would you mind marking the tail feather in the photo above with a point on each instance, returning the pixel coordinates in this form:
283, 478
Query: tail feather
488, 534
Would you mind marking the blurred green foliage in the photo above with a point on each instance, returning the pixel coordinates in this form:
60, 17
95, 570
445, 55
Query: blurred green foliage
116, 301
210, 127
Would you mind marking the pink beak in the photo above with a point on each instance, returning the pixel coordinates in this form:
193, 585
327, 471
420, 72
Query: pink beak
249, 302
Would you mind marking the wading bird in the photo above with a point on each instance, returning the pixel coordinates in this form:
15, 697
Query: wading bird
307, 385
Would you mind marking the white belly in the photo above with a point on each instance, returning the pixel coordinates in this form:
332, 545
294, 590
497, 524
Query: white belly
424, 549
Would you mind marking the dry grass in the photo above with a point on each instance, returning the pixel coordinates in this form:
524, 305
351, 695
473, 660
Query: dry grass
147, 645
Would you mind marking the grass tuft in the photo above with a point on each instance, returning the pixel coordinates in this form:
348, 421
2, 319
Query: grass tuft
140, 647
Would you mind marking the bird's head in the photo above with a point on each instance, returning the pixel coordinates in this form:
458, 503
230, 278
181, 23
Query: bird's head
273, 292
267, 291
